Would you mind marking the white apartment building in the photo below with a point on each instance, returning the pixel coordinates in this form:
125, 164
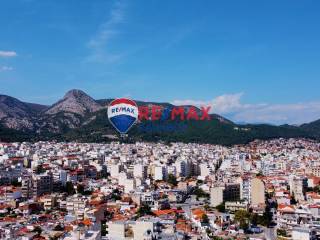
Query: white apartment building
140, 171
160, 173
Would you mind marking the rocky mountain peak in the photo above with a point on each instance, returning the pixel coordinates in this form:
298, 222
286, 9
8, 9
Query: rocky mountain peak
75, 101
76, 93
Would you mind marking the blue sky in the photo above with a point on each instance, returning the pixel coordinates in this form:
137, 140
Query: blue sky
253, 61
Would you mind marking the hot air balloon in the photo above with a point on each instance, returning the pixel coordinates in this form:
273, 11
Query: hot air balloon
122, 114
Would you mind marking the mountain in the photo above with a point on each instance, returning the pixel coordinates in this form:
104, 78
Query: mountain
18, 115
167, 106
75, 101
78, 117
68, 113
313, 128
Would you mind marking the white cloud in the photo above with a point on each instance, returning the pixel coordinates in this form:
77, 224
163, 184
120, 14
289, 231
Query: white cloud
98, 44
8, 54
222, 104
230, 106
5, 68
295, 113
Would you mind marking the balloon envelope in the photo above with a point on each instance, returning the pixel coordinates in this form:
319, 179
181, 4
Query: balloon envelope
122, 114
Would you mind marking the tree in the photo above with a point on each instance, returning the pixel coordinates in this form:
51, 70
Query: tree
69, 189
217, 238
221, 207
80, 189
108, 215
53, 238
317, 189
37, 229
293, 200
200, 193
172, 180
260, 174
242, 218
40, 169
281, 232
199, 182
218, 165
115, 195
204, 218
16, 183
266, 218
207, 207
254, 219
58, 228
144, 210
164, 196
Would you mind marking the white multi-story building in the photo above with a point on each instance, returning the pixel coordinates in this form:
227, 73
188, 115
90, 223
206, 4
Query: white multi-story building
140, 171
129, 185
159, 173
115, 170
182, 168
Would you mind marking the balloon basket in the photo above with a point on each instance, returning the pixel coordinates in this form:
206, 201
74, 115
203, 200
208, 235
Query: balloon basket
123, 136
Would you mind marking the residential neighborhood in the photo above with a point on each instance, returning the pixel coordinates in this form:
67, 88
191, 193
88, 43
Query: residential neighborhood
59, 190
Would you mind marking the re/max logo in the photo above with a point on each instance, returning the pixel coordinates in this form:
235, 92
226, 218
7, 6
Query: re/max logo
122, 109
156, 112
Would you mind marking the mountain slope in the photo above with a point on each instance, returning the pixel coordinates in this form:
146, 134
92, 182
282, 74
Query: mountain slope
17, 114
215, 131
166, 107
78, 117
313, 128
12, 135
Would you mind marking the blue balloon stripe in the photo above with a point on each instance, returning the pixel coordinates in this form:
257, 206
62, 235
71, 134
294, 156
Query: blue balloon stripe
122, 122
